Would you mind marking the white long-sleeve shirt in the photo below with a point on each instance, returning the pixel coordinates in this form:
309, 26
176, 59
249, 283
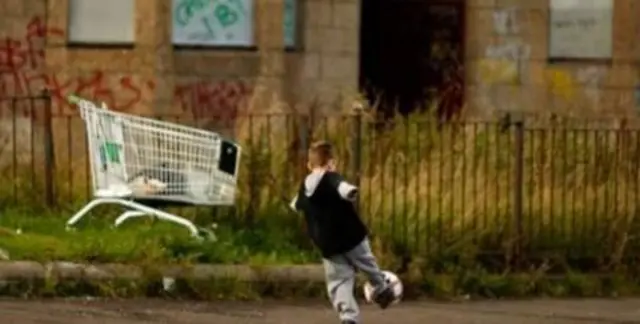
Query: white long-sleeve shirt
346, 190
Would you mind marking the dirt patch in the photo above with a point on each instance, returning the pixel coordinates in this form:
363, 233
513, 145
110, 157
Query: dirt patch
82, 311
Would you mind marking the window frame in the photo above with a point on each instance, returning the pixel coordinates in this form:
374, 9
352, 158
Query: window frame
96, 43
576, 57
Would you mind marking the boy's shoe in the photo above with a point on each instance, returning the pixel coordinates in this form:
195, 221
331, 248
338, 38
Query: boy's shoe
385, 298
349, 322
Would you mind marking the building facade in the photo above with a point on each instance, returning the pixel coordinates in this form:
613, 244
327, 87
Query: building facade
208, 57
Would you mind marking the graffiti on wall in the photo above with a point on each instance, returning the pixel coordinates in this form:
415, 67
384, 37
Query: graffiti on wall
591, 79
224, 22
581, 87
504, 74
207, 22
561, 84
505, 22
504, 64
212, 99
120, 94
511, 52
22, 62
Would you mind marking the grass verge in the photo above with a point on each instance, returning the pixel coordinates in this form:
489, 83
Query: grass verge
43, 237
549, 186
451, 287
149, 244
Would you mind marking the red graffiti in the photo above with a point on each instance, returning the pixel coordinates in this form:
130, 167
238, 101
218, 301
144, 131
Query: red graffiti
19, 54
12, 55
123, 96
37, 31
18, 59
22, 66
15, 77
22, 62
219, 100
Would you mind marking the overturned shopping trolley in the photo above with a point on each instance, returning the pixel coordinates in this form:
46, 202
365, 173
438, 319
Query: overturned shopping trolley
142, 163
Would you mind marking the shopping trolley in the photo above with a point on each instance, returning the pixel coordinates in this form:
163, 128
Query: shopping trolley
143, 164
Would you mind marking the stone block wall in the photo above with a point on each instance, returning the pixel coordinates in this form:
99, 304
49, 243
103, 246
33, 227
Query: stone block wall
155, 77
508, 66
327, 69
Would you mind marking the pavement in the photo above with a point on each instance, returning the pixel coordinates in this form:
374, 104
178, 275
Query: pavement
89, 311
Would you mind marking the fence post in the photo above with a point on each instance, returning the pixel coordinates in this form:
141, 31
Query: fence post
49, 153
254, 193
356, 149
518, 191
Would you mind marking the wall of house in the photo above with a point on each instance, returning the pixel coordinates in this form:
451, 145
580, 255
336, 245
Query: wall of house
507, 66
153, 76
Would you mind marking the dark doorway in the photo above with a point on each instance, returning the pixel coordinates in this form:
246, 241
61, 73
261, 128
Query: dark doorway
412, 55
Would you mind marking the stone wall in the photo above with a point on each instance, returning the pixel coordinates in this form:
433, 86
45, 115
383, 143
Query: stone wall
154, 77
508, 67
328, 67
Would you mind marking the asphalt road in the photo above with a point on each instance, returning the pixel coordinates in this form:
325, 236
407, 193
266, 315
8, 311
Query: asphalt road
83, 311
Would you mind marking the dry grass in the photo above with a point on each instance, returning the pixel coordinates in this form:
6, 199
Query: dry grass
426, 184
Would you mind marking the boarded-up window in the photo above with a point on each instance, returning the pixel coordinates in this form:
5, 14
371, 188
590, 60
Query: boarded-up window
101, 21
213, 22
581, 29
290, 23
224, 23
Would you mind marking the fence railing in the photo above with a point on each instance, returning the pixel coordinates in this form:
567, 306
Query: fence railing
27, 160
517, 188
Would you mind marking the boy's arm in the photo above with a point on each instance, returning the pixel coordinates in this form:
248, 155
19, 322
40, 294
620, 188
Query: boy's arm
294, 203
345, 189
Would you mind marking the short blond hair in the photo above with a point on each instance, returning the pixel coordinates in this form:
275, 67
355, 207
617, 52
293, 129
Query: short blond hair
320, 153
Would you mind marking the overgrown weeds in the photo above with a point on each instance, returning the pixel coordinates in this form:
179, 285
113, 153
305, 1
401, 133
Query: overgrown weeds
43, 237
538, 190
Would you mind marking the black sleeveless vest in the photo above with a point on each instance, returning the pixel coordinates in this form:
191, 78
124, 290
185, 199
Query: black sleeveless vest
333, 223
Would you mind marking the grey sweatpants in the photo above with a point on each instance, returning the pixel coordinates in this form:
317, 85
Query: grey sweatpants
340, 272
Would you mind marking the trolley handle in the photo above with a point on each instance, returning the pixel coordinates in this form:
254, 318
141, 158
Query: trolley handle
76, 100
73, 99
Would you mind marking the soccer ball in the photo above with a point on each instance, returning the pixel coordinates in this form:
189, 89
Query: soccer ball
391, 279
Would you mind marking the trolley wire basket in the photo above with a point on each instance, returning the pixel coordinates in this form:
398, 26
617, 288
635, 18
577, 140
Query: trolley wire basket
144, 164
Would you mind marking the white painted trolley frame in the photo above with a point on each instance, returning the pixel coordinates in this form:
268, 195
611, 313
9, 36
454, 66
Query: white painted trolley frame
122, 144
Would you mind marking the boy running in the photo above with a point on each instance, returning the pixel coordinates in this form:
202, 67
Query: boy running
333, 223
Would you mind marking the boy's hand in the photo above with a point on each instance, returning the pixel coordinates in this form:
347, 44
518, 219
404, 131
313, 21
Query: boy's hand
293, 203
347, 191
353, 194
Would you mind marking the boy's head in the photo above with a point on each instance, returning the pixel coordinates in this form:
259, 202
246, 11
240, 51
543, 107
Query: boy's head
320, 155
